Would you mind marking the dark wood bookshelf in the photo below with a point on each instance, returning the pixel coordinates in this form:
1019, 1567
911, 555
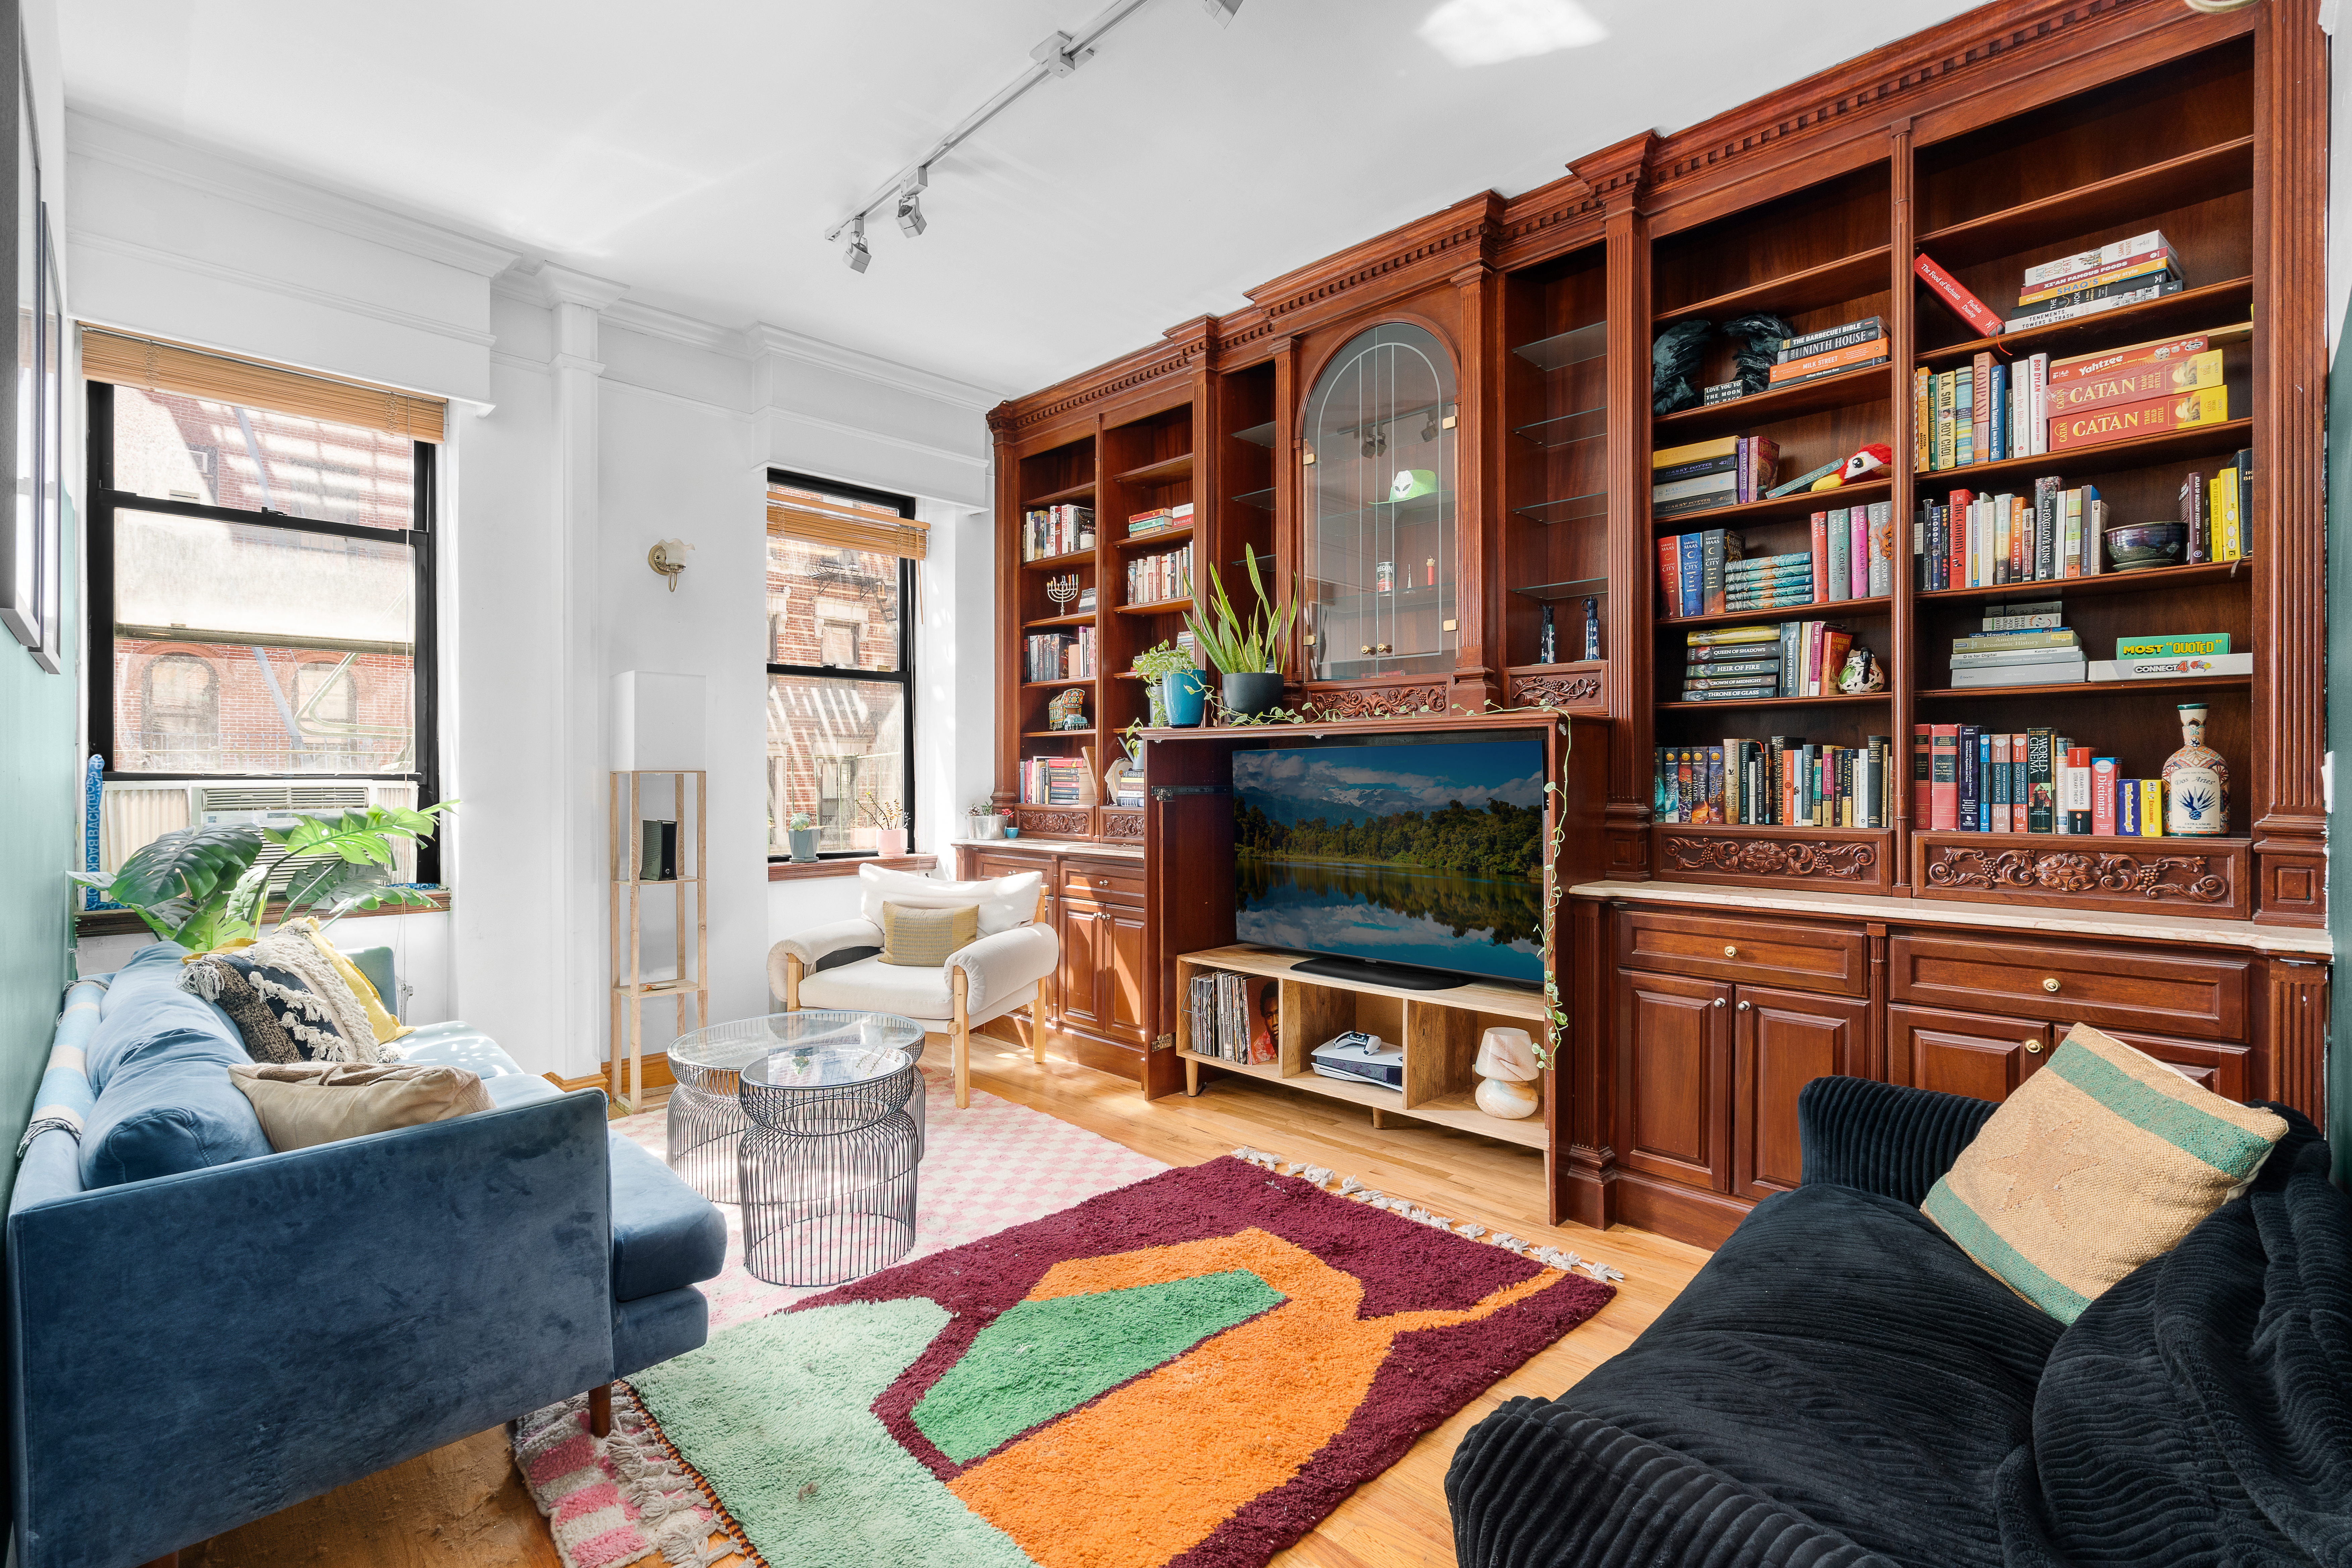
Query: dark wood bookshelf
1159, 536
1840, 700
2053, 221
1866, 384
1790, 293
2148, 580
2219, 309
1163, 472
2113, 457
1083, 491
2091, 688
1823, 609
1801, 503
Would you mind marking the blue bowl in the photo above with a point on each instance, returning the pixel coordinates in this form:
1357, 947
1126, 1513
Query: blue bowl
2135, 547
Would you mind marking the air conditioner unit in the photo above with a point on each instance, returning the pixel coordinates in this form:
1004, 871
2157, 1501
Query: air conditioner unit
133, 814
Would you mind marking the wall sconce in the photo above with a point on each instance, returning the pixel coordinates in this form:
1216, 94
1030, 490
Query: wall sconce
668, 558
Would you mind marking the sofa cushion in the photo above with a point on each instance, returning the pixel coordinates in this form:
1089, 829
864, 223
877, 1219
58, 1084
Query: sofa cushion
158, 1064
1003, 902
2103, 1159
870, 985
664, 1234
458, 1044
1838, 1352
304, 1104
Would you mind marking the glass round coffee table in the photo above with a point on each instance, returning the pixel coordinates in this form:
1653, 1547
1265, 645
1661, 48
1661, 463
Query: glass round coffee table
827, 1169
706, 1116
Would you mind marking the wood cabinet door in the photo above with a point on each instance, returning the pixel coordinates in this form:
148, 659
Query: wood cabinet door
1122, 953
1782, 1041
1963, 1053
1673, 1079
1084, 944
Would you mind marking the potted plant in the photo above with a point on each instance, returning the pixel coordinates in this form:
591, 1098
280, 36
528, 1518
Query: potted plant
987, 822
799, 831
1175, 684
206, 887
1249, 654
890, 838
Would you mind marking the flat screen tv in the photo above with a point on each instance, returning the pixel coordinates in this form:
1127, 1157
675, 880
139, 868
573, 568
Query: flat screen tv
1413, 854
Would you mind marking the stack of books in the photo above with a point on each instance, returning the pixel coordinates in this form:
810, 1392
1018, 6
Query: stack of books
2021, 644
1781, 783
1768, 582
1161, 520
1056, 531
1059, 655
2044, 533
1129, 792
1054, 781
1793, 658
1151, 579
2218, 511
1831, 351
1704, 475
2088, 282
1965, 779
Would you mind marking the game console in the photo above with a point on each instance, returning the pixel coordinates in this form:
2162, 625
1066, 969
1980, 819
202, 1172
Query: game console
1365, 1059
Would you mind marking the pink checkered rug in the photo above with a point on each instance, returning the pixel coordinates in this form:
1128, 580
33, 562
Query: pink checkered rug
620, 1500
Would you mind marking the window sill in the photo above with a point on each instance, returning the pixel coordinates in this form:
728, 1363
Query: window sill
126, 922
786, 872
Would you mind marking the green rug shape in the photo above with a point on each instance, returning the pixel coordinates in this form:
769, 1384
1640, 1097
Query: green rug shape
775, 1413
1041, 1359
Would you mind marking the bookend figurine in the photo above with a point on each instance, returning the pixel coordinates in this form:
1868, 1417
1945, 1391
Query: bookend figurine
1861, 673
1673, 366
1763, 332
1068, 711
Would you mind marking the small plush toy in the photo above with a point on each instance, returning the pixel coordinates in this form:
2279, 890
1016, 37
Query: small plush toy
1869, 460
1861, 673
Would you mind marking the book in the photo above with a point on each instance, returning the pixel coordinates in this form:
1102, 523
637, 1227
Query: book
2035, 636
1691, 579
1717, 635
1738, 685
1997, 411
1683, 506
1837, 580
1827, 337
1964, 438
2037, 415
2041, 781
2115, 253
2128, 421
2173, 668
1805, 481
2106, 361
1793, 658
1881, 580
2151, 808
1691, 470
1980, 409
1734, 669
1992, 676
1695, 452
1921, 774
2172, 647
1836, 642
1857, 551
1868, 351
1760, 467
1722, 391
1670, 573
2094, 306
2098, 286
2076, 789
1732, 653
1943, 778
1996, 772
2102, 796
1715, 546
1947, 453
2245, 466
2127, 807
2019, 791
1923, 420
1964, 305
1723, 483
2018, 616
1764, 568
1819, 555
2139, 383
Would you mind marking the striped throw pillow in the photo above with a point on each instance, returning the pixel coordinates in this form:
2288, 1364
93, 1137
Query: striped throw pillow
2103, 1159
922, 939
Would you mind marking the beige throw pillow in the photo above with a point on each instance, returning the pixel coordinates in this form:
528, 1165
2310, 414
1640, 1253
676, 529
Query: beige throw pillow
922, 939
302, 1104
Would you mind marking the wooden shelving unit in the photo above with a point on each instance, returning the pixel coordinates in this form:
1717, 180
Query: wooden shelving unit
628, 797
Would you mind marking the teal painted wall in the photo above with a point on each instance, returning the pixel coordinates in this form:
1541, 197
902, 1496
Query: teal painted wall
2339, 727
40, 841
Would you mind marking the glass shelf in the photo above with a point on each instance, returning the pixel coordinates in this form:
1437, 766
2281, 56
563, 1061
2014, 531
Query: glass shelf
1416, 596
1257, 434
1569, 348
1262, 500
1436, 506
1568, 429
1574, 508
1582, 588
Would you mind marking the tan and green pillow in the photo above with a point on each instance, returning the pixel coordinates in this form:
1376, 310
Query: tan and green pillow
922, 939
2103, 1159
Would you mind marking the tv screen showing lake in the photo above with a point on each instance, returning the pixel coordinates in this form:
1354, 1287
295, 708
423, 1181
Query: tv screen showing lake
1428, 855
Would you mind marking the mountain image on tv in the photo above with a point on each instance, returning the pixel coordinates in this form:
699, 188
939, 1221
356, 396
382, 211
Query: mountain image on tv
1429, 855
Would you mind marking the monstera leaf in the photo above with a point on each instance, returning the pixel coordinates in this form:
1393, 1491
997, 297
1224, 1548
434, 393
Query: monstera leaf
180, 883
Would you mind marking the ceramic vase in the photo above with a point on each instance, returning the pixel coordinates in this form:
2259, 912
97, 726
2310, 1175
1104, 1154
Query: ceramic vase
1187, 695
1249, 695
2196, 781
890, 841
803, 842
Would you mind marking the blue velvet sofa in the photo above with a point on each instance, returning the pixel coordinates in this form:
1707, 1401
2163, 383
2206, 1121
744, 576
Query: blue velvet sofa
190, 1351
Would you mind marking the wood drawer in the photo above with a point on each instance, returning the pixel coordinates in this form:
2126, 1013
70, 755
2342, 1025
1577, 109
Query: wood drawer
2114, 988
1115, 881
988, 868
1810, 958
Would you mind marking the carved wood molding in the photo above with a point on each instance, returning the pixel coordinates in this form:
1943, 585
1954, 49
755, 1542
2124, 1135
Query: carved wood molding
1809, 859
2298, 1035
2192, 878
1618, 175
1377, 701
1556, 690
1123, 824
1035, 821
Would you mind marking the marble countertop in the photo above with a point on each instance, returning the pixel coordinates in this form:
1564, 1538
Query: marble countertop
1041, 845
2297, 940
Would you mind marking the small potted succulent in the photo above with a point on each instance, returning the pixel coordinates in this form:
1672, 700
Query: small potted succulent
1174, 683
1249, 654
890, 838
987, 822
800, 830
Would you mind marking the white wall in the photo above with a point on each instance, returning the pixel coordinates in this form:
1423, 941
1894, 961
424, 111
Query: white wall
586, 428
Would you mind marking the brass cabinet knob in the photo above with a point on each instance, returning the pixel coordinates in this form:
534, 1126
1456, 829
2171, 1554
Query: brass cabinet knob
1718, 1001
1367, 648
1730, 950
2032, 1048
2051, 983
1743, 1006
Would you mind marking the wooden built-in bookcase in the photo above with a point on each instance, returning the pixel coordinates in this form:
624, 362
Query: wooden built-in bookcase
2008, 135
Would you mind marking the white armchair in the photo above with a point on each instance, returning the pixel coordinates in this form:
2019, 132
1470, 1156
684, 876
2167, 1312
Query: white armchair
998, 974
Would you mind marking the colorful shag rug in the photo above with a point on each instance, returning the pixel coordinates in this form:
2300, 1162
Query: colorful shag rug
1191, 1370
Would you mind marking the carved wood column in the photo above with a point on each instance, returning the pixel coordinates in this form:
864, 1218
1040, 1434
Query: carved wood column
1618, 177
1903, 622
2290, 477
1288, 558
1584, 1086
1478, 518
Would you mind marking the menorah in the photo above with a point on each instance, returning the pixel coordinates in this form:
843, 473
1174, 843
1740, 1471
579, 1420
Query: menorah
1062, 590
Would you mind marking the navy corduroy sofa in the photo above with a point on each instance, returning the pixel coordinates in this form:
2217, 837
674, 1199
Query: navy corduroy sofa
188, 1352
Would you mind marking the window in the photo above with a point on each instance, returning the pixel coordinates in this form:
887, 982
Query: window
841, 582
260, 572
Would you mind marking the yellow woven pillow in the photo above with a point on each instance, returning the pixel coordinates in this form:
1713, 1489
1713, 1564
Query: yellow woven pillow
922, 939
2103, 1159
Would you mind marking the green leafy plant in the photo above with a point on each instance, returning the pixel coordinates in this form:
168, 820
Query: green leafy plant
1165, 659
800, 822
202, 887
1255, 647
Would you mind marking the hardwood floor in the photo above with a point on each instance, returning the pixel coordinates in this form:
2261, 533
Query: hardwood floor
463, 1505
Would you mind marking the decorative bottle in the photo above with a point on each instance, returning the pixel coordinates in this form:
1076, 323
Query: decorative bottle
1593, 628
1545, 648
2196, 781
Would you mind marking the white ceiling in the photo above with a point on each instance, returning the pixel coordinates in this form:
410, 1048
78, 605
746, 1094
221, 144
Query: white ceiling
698, 153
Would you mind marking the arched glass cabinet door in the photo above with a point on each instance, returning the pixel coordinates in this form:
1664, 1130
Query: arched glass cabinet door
1380, 545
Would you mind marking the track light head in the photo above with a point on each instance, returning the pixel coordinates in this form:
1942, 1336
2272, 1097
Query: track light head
1222, 11
854, 255
911, 213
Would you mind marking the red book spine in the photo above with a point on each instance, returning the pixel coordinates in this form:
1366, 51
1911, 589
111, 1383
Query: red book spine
1813, 658
1791, 766
1957, 509
2017, 784
1921, 773
1943, 778
1670, 573
1964, 305
1821, 557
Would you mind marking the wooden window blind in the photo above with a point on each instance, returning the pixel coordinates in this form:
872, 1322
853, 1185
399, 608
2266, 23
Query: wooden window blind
843, 524
160, 366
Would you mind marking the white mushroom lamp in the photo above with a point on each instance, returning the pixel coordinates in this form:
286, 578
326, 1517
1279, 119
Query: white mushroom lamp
1507, 1071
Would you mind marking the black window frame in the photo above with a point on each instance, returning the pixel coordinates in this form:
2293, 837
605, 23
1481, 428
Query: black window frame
903, 677
100, 636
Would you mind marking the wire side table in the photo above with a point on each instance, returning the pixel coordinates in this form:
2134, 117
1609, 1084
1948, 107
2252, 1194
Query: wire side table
706, 1120
827, 1169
